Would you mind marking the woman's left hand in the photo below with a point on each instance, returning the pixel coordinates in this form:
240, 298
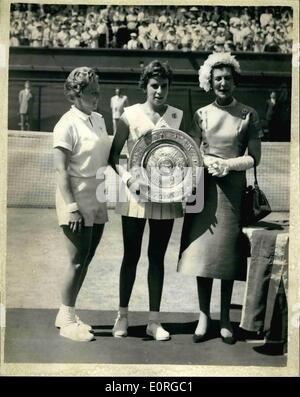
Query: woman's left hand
218, 168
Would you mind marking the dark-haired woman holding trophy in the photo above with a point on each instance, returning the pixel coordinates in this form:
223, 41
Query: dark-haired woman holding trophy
136, 121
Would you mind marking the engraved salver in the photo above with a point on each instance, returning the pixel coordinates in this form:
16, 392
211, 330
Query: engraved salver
166, 160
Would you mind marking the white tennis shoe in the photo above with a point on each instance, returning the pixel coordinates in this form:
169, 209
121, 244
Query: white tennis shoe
60, 322
157, 331
76, 332
120, 328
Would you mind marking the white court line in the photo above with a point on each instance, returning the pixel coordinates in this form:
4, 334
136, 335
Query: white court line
256, 341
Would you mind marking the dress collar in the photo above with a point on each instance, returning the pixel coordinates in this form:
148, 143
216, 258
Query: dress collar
79, 113
161, 117
232, 103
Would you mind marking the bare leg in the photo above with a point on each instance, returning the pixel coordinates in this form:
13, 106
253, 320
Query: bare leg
22, 122
27, 125
95, 240
204, 286
226, 293
78, 246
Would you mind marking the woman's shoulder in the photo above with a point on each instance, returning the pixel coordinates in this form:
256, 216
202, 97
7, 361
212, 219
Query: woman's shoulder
172, 109
65, 121
199, 111
97, 115
132, 108
245, 109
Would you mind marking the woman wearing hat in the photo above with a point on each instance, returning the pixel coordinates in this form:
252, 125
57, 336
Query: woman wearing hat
211, 240
81, 150
136, 121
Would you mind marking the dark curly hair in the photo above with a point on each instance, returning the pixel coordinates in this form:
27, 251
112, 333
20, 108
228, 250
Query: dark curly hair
77, 80
155, 69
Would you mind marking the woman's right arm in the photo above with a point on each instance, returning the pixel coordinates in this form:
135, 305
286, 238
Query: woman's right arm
114, 157
196, 134
117, 145
195, 131
61, 163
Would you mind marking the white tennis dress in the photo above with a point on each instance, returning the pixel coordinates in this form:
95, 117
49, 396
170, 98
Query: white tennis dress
85, 136
139, 124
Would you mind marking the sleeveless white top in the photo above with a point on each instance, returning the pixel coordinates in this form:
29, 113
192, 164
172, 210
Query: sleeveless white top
139, 124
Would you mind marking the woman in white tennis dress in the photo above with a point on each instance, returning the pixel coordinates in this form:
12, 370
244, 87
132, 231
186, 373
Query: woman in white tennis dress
81, 151
136, 121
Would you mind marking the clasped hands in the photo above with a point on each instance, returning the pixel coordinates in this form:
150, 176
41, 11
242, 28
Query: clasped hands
216, 166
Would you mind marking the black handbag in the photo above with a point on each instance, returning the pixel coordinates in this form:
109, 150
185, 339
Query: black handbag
255, 205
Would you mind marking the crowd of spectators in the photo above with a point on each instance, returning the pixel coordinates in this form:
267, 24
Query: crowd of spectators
202, 28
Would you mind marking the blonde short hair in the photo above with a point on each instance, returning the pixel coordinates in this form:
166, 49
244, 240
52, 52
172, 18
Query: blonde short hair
77, 80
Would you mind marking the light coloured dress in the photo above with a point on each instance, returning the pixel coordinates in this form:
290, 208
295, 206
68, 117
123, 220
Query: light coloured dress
117, 103
85, 136
25, 101
139, 124
212, 243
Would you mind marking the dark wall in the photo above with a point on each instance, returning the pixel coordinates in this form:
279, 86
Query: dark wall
35, 60
261, 74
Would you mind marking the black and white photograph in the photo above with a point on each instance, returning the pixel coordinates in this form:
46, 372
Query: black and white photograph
151, 188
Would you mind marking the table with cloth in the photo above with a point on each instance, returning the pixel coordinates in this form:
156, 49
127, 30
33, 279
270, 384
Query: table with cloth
265, 304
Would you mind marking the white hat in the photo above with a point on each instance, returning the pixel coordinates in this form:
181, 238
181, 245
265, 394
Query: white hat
205, 70
133, 34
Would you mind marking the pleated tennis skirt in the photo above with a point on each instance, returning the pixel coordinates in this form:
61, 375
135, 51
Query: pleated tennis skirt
89, 194
134, 206
212, 242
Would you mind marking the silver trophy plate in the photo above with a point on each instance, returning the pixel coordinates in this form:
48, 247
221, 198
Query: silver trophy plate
166, 161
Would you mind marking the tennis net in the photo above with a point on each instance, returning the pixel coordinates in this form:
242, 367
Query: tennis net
31, 175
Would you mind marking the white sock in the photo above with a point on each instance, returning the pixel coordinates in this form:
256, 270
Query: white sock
154, 317
123, 311
67, 313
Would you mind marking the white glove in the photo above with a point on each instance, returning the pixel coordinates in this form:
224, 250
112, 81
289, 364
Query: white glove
241, 163
215, 166
221, 167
